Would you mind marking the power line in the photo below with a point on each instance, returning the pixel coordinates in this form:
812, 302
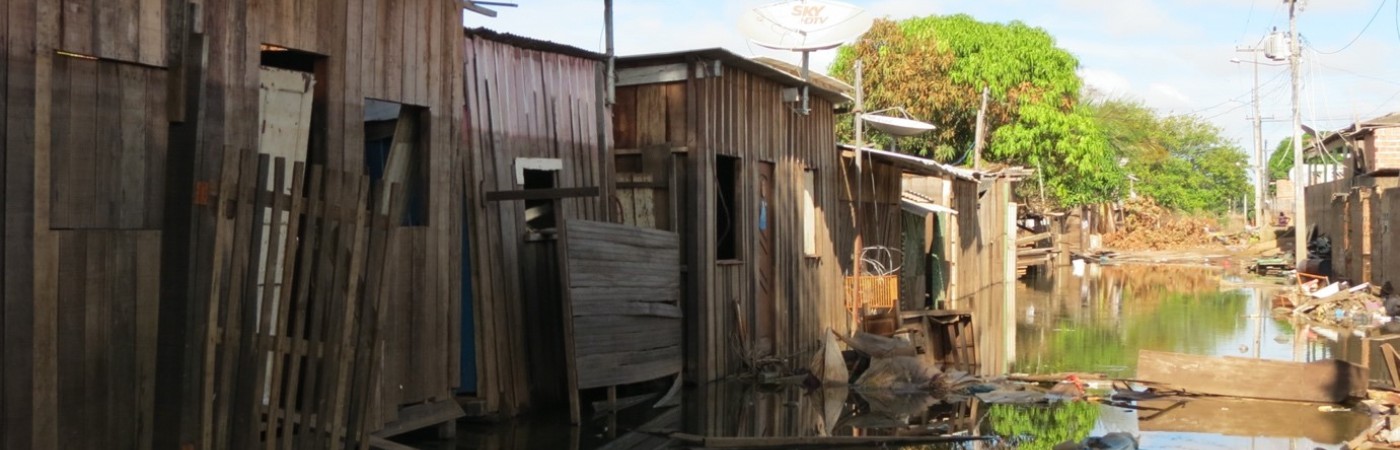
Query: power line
1235, 98
1363, 30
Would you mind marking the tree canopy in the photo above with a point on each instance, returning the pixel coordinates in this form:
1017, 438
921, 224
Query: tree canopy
1082, 150
936, 67
1182, 161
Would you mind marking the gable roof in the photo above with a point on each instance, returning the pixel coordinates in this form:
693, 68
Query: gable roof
727, 57
533, 44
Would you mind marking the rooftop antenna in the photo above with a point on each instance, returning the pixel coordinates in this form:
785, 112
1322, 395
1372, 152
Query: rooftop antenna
804, 26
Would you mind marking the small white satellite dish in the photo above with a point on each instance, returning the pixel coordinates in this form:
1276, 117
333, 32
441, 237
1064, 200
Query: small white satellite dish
804, 25
897, 126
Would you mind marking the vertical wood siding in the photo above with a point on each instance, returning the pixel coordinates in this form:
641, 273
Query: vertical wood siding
520, 103
87, 150
742, 114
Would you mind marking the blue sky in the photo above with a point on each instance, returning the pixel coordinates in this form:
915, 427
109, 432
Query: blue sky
1174, 55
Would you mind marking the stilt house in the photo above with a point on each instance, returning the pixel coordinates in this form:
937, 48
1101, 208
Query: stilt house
717, 148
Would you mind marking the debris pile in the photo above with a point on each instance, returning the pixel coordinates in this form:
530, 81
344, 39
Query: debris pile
1339, 304
1385, 427
1149, 226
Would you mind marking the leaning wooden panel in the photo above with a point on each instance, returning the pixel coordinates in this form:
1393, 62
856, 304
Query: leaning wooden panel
631, 338
1325, 381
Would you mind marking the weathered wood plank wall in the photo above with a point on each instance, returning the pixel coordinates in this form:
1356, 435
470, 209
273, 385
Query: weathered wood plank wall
84, 152
740, 114
521, 103
979, 243
86, 134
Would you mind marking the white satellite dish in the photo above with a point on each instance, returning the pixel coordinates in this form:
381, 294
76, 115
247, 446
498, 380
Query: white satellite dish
804, 25
897, 126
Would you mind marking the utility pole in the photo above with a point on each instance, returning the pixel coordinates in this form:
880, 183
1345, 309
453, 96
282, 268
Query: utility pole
1300, 210
858, 313
1260, 175
980, 138
611, 52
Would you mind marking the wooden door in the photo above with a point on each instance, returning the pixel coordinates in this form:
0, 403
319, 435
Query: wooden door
765, 301
284, 124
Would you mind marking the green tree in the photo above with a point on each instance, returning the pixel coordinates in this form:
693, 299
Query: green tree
1182, 161
1281, 160
936, 67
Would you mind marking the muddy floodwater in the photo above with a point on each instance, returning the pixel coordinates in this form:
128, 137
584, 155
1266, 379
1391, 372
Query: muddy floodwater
1093, 323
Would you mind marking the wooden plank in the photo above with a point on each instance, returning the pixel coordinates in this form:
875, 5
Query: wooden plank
151, 49
63, 153
420, 416
277, 410
147, 260
1326, 381
72, 297
97, 330
79, 21
157, 126
84, 141
108, 149
541, 194
268, 262
121, 296
300, 314
1242, 417
130, 201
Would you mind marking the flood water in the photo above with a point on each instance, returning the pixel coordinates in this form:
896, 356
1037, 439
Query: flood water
1093, 323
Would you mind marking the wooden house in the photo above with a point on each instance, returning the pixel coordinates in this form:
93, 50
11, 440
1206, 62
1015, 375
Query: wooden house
536, 157
963, 221
120, 121
714, 146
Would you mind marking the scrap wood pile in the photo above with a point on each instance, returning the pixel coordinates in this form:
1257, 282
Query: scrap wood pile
1149, 226
1384, 432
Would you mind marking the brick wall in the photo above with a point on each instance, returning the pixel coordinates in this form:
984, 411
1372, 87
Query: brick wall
1383, 149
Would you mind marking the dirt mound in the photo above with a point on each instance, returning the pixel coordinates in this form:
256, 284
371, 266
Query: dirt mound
1149, 226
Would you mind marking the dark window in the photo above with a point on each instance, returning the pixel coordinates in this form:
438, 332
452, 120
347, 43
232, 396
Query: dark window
727, 207
395, 152
539, 214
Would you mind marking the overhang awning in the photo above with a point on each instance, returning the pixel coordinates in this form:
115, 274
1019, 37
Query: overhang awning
912, 164
919, 204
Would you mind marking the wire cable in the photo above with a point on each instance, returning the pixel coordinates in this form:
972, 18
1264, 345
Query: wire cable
1358, 34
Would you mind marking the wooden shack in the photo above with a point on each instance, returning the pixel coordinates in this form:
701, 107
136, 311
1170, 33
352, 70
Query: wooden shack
536, 157
120, 119
714, 146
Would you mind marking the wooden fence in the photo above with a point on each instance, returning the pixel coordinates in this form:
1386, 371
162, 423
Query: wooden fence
292, 356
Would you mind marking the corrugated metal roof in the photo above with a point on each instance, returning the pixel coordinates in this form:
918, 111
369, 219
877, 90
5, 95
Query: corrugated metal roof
733, 59
533, 44
915, 203
914, 164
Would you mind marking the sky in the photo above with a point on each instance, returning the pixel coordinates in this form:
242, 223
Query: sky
1173, 55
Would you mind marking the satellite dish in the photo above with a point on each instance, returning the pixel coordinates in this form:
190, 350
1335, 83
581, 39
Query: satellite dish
804, 25
897, 126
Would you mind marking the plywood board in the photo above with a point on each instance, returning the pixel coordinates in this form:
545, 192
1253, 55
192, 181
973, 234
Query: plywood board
1325, 381
631, 337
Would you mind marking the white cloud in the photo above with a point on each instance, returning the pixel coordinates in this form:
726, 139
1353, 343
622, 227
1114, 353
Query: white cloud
1161, 93
1106, 82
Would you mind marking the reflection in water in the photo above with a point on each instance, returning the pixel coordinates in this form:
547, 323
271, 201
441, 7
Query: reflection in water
1096, 323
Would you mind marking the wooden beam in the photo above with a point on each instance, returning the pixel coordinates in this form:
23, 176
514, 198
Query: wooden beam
666, 73
1325, 381
421, 416
470, 5
1033, 238
542, 194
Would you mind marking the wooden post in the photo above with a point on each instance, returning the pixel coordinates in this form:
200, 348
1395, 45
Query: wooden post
1008, 320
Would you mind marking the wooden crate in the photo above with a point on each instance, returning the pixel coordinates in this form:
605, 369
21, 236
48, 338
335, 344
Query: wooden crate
876, 291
